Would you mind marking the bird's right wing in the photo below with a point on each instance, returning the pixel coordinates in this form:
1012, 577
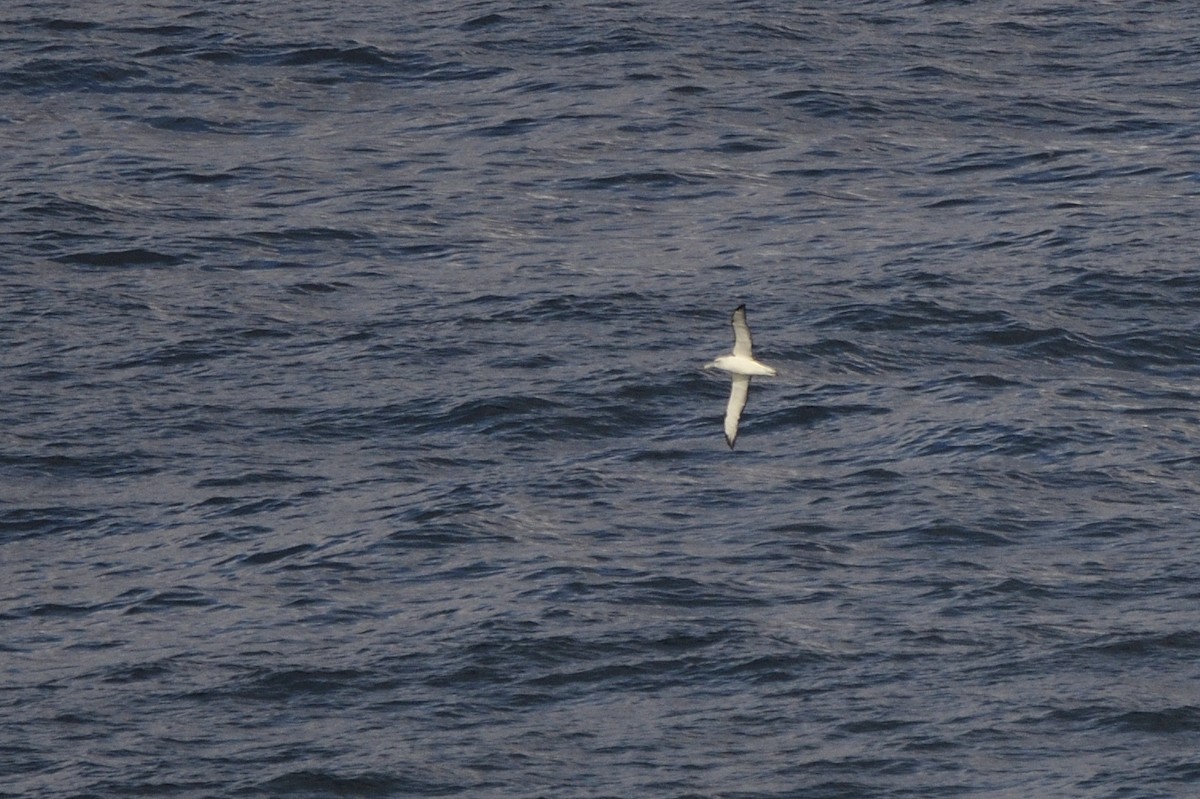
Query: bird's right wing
741, 333
733, 411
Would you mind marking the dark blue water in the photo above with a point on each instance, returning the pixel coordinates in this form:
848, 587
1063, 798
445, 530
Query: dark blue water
354, 439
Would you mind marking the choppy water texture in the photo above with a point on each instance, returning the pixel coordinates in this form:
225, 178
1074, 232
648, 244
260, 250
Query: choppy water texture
354, 440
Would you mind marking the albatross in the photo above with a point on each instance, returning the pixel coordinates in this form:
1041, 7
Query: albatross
741, 364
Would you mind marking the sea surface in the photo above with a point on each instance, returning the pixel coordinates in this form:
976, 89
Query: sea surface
355, 440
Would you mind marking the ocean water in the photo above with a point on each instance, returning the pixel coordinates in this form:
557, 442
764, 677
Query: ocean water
354, 440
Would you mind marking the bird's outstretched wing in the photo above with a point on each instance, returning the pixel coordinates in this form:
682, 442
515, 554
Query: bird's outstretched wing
733, 411
741, 333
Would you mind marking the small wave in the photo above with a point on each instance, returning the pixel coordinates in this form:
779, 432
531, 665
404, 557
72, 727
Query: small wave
121, 258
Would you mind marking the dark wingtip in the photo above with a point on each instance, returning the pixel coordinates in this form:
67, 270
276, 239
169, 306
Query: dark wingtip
741, 307
730, 441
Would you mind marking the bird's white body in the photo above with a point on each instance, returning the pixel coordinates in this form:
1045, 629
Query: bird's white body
742, 366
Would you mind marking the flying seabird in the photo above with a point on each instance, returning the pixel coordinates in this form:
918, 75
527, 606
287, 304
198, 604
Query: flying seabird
742, 366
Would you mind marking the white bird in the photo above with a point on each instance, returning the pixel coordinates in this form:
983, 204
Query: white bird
742, 365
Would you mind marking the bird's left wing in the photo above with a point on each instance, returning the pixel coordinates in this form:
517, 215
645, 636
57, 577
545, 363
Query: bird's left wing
733, 411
